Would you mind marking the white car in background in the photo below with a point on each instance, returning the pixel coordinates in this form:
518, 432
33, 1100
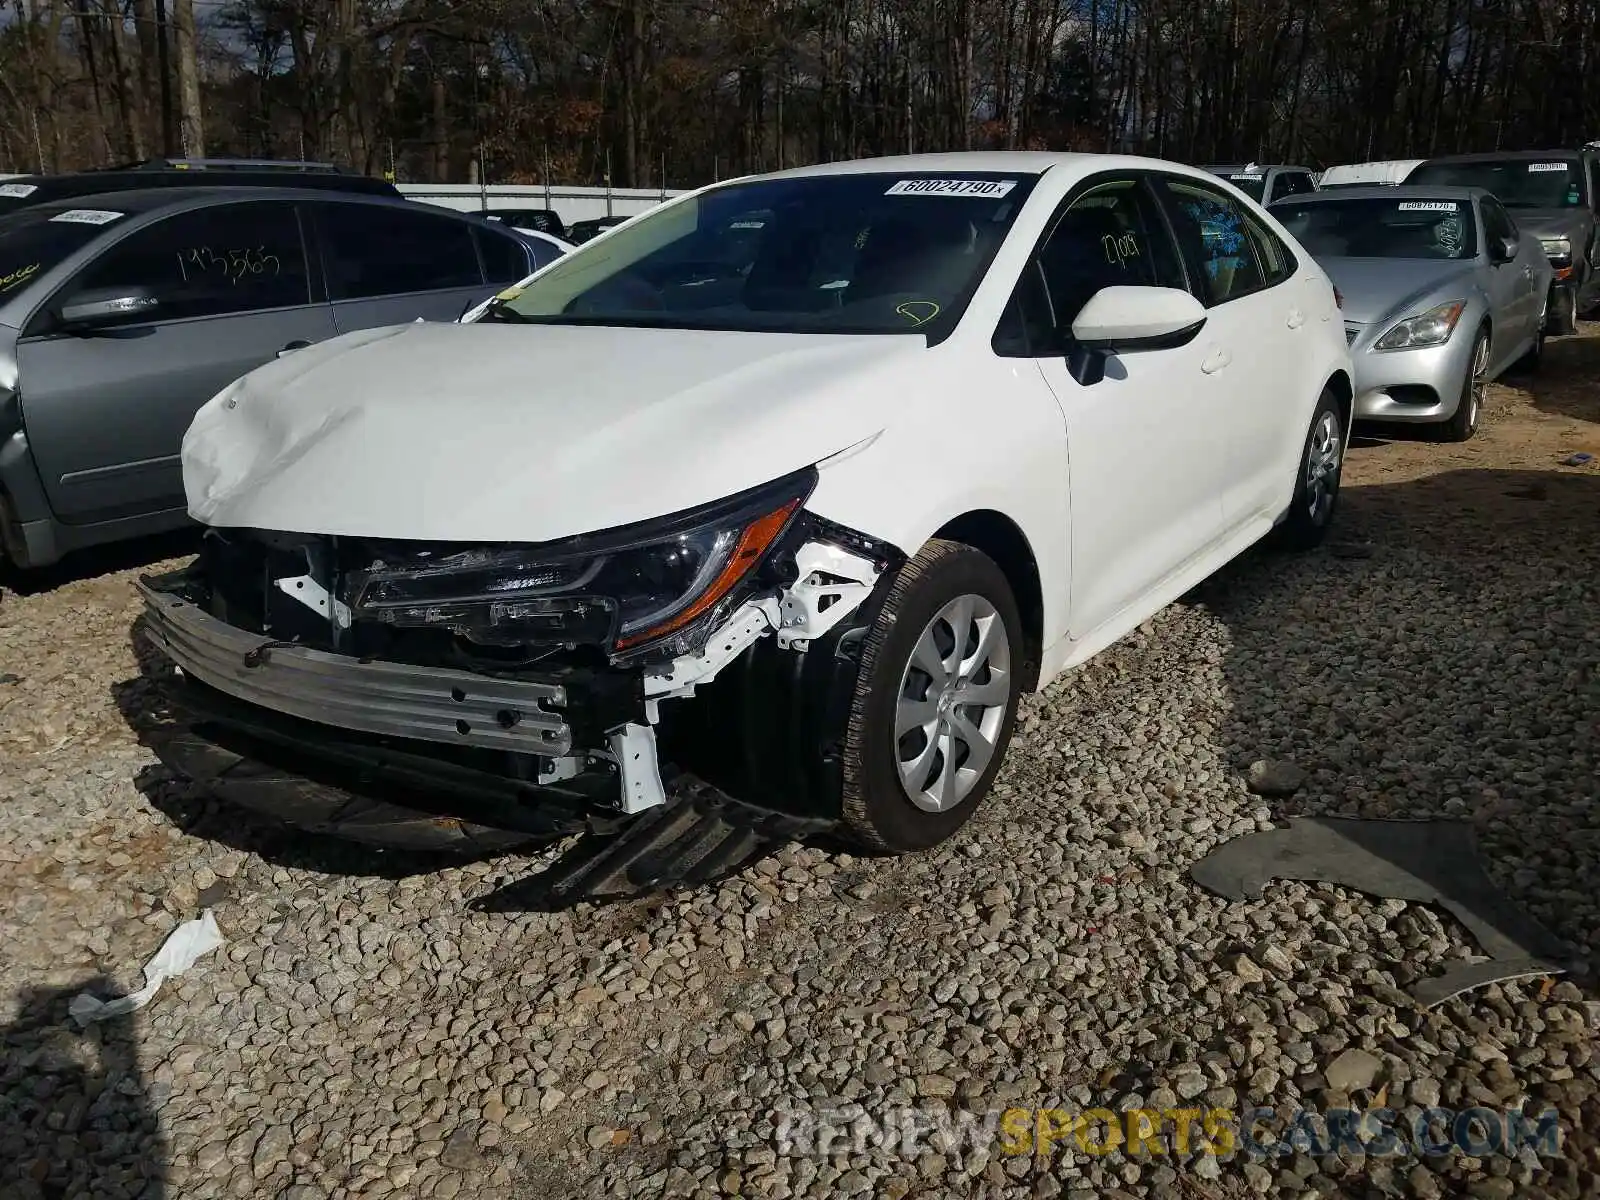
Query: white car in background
1382, 173
795, 505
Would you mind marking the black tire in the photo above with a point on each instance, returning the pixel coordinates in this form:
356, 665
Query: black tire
1530, 361
878, 811
1563, 310
1463, 423
1306, 525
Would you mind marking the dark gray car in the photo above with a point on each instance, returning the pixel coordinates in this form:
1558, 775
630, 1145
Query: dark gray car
121, 314
1554, 195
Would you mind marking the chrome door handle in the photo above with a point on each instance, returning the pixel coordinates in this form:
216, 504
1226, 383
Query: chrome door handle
299, 344
1296, 318
1217, 359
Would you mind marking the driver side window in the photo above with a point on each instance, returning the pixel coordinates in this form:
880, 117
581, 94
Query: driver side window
1112, 234
1497, 222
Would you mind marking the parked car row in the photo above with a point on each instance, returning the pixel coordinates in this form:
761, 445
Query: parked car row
1504, 246
130, 297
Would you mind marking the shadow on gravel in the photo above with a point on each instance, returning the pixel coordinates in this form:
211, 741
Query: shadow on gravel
99, 560
76, 1114
1564, 386
1440, 659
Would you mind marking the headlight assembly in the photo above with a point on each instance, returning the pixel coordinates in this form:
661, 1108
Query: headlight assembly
641, 586
1556, 249
1432, 328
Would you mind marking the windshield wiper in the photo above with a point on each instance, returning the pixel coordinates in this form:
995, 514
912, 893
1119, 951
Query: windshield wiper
501, 310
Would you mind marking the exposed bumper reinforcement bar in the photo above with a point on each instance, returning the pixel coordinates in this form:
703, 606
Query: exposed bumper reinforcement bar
456, 708
392, 798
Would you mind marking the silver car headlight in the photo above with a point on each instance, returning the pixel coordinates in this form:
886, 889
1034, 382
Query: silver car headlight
1432, 328
1557, 247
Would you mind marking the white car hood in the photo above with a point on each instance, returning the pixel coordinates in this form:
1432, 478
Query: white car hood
497, 432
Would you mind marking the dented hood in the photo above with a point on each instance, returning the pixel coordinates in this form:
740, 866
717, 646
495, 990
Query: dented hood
496, 432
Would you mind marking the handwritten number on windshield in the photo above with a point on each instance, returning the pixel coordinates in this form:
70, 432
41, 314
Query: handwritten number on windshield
232, 264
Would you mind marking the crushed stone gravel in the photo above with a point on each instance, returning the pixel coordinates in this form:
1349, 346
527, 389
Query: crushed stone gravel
363, 1033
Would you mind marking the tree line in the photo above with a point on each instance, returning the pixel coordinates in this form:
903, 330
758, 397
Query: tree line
679, 92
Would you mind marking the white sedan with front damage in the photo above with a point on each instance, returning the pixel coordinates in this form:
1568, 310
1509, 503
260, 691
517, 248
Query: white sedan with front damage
755, 515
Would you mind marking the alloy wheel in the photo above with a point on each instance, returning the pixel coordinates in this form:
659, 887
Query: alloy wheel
952, 703
1322, 466
1480, 381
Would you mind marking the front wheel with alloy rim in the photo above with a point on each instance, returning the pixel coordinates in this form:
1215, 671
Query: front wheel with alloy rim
1316, 488
935, 700
1463, 423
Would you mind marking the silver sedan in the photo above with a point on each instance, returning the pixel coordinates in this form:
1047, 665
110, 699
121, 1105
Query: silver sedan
1441, 293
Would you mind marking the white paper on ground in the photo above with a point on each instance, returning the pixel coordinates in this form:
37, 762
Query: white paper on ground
181, 950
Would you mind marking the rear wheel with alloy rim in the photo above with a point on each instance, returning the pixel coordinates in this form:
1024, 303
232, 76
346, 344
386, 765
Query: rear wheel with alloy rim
1316, 490
935, 700
1463, 423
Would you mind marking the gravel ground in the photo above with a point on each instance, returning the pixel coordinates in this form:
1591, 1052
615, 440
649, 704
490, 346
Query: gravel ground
363, 1033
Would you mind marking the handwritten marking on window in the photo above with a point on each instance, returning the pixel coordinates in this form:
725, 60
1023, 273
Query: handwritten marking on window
233, 265
18, 276
1119, 249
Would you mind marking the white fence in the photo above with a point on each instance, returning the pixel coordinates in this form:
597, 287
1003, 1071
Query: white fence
570, 203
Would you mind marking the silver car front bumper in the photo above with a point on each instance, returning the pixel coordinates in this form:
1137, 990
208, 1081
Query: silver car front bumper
430, 704
1407, 385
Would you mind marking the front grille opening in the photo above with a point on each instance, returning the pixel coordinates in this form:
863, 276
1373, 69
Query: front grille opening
1413, 393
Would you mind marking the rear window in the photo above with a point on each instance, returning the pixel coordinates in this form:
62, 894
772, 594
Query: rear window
1516, 182
1408, 227
35, 240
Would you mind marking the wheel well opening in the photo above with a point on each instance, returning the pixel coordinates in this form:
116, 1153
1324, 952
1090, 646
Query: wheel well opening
999, 537
1339, 385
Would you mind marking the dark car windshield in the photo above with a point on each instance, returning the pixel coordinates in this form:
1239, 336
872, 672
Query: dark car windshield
36, 239
1381, 228
15, 196
1251, 183
1515, 182
848, 253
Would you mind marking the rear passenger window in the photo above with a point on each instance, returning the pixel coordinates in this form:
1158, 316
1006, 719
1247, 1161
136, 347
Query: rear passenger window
1230, 252
231, 258
504, 260
1276, 263
378, 250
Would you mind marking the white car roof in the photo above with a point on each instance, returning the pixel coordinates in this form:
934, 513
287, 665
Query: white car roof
1021, 162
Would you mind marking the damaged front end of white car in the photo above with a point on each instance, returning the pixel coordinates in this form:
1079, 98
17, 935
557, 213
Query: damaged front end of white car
478, 696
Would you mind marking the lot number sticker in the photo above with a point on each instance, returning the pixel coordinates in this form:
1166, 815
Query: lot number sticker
1426, 206
1547, 166
983, 189
86, 216
18, 190
1253, 177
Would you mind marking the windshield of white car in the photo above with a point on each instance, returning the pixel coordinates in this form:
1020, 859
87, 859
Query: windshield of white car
31, 242
847, 253
1515, 182
1381, 228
